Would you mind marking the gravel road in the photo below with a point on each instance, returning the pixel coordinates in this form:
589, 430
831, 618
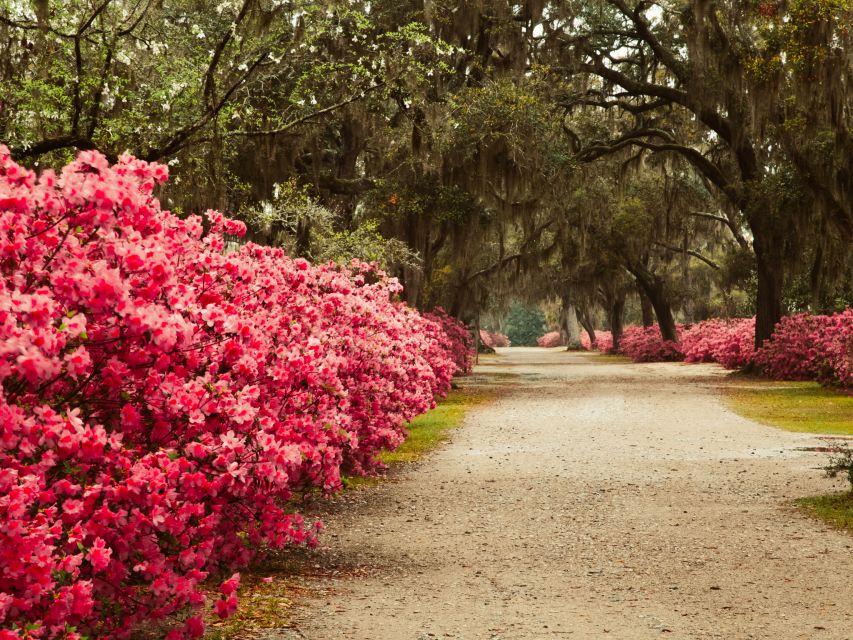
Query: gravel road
591, 499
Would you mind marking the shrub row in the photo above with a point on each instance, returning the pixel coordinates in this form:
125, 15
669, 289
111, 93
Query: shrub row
803, 347
164, 402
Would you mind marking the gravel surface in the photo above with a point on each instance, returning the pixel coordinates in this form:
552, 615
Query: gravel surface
592, 499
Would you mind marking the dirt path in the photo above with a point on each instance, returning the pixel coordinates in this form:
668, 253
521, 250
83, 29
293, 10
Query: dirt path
592, 500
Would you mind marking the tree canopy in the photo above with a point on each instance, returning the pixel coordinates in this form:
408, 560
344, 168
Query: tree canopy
664, 160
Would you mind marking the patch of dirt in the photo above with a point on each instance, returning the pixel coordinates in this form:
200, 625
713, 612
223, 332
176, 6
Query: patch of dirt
591, 500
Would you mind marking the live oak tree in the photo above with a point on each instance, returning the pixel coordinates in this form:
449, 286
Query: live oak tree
739, 70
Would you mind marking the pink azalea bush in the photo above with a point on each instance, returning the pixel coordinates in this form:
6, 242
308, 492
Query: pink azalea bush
803, 347
730, 342
550, 340
603, 341
455, 338
811, 347
163, 403
493, 339
645, 344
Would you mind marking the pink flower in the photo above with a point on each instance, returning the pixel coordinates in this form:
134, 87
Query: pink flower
99, 555
224, 608
169, 398
231, 585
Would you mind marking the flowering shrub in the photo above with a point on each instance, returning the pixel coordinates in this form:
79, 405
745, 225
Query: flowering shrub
803, 347
550, 339
645, 344
455, 338
163, 402
493, 339
811, 347
729, 342
603, 341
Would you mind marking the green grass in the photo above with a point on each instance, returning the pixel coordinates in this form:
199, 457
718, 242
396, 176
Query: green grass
794, 406
614, 358
427, 431
804, 407
835, 509
431, 429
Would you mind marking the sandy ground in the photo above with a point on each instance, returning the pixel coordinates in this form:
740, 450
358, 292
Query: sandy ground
591, 500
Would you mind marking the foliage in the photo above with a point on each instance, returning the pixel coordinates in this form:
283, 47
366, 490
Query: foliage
841, 462
493, 339
550, 340
645, 344
296, 221
811, 347
729, 342
524, 325
164, 402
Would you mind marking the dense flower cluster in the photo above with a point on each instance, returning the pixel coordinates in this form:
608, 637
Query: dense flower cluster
551, 339
455, 338
803, 347
729, 342
645, 344
493, 339
163, 401
811, 347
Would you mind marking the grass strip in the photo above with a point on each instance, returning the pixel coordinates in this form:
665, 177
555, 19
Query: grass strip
794, 406
806, 407
835, 509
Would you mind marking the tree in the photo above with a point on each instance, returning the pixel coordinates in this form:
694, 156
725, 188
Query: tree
653, 60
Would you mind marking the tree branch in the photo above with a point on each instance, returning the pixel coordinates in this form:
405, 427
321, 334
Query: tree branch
210, 75
689, 252
306, 118
645, 34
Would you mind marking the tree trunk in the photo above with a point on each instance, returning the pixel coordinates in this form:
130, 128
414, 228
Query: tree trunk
616, 316
663, 311
586, 323
768, 306
477, 339
569, 326
646, 308
654, 288
303, 238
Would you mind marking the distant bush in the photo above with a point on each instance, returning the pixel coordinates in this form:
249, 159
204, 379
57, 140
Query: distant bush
524, 325
493, 339
729, 342
803, 347
551, 339
645, 344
